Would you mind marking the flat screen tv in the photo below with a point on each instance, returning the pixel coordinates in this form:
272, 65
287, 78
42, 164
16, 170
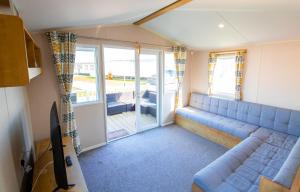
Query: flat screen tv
58, 151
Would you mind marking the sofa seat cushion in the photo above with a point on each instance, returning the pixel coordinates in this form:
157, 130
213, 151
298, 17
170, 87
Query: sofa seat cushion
196, 115
231, 126
234, 127
276, 138
240, 168
148, 104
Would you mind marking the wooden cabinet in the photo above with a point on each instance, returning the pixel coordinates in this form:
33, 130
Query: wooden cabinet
20, 57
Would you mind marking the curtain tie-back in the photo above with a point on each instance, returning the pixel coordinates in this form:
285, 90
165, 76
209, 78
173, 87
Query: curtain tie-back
66, 98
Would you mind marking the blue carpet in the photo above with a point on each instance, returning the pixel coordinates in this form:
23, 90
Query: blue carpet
159, 160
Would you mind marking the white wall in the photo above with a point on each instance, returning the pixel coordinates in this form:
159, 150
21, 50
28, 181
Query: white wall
15, 136
271, 74
90, 123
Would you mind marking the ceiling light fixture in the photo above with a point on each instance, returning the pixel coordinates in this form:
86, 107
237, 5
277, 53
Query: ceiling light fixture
221, 25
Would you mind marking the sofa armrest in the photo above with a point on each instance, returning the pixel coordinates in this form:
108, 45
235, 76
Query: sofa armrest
288, 172
267, 185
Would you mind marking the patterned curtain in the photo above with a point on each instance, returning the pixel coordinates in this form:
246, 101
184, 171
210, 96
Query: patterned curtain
240, 61
180, 55
212, 60
64, 46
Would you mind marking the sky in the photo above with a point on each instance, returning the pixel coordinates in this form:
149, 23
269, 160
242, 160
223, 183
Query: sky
121, 62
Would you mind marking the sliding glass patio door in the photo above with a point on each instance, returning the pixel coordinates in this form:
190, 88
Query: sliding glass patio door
120, 91
131, 90
148, 88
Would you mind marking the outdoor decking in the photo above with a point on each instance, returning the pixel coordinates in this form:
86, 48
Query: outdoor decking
123, 124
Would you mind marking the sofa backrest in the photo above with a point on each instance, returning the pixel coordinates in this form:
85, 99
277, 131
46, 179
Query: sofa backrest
279, 119
112, 97
150, 95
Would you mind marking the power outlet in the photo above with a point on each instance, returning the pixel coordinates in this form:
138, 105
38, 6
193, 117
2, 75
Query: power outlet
27, 166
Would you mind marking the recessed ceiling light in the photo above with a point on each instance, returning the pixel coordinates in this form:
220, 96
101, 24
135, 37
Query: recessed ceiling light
221, 25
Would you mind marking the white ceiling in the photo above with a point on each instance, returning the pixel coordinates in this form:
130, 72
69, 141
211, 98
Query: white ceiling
246, 21
45, 14
195, 24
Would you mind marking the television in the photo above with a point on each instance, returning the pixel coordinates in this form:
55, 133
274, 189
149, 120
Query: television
58, 151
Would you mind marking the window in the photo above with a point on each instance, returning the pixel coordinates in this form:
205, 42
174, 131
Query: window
170, 79
85, 75
119, 70
223, 84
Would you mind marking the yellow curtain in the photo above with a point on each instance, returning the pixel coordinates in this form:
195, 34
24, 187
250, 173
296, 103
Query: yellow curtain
212, 60
63, 47
240, 62
180, 55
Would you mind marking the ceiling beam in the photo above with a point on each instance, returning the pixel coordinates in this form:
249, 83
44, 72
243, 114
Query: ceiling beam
161, 11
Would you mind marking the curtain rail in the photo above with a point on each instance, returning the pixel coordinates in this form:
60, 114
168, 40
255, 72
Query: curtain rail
229, 52
124, 41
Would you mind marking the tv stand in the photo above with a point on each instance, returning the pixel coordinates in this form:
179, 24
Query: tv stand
58, 188
46, 182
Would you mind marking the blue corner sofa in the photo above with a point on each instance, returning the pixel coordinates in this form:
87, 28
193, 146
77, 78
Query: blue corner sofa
269, 146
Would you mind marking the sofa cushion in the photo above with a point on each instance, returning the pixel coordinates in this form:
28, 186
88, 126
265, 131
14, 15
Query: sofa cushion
115, 104
282, 120
196, 100
199, 116
206, 103
152, 97
194, 113
223, 107
231, 126
275, 138
111, 97
267, 117
214, 105
232, 109
289, 169
242, 111
234, 127
294, 123
253, 115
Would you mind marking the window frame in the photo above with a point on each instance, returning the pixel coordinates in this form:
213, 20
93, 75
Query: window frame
97, 72
164, 75
224, 95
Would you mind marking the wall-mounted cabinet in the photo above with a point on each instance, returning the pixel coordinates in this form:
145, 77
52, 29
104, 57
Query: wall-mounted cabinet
20, 57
